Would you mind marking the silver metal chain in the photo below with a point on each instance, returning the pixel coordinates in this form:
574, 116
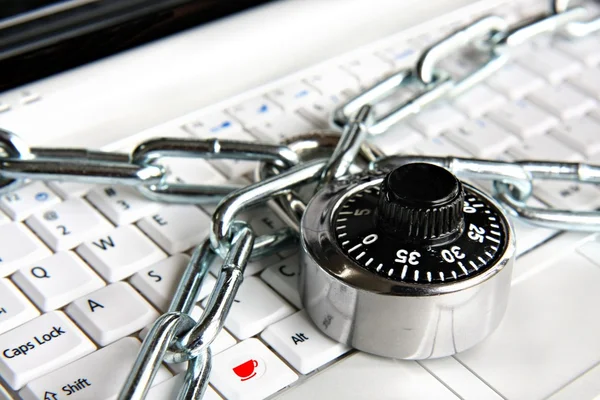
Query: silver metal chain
175, 337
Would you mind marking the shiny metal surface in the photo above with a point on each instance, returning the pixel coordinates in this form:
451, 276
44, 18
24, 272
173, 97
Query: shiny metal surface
390, 318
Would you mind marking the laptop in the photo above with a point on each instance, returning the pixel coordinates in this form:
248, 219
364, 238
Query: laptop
86, 268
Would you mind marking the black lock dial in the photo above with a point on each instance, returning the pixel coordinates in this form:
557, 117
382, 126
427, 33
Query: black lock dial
421, 226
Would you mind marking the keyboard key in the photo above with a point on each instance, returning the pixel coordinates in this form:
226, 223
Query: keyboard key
216, 124
283, 277
252, 268
585, 49
122, 205
67, 189
580, 134
563, 101
580, 197
99, 375
550, 64
482, 138
523, 118
319, 112
40, 346
587, 386
15, 309
588, 82
333, 81
440, 147
591, 250
19, 247
515, 81
170, 389
23, 202
398, 139
190, 170
436, 118
120, 253
529, 236
401, 55
67, 224
301, 344
547, 334
255, 307
545, 147
293, 95
4, 218
281, 127
368, 69
57, 280
112, 312
478, 100
223, 341
249, 370
254, 110
176, 228
159, 281
360, 376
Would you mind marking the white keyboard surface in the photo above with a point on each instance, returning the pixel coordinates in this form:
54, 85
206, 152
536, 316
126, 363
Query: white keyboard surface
85, 269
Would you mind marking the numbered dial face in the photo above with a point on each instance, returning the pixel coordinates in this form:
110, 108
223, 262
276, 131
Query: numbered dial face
479, 245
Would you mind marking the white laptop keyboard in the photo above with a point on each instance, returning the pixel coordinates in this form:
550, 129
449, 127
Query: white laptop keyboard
84, 269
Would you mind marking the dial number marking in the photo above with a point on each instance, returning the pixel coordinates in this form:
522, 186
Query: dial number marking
402, 256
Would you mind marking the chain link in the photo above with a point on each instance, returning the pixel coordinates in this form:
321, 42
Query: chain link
175, 337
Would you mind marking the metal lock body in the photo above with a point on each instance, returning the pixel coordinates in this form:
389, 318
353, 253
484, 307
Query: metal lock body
403, 279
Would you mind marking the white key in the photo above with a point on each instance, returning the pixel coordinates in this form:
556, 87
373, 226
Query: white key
400, 55
563, 100
523, 118
398, 139
170, 389
515, 81
482, 138
122, 205
550, 64
15, 309
568, 195
302, 345
189, 170
293, 95
19, 247
262, 220
588, 82
230, 168
436, 118
529, 236
223, 341
255, 307
216, 124
176, 228
283, 277
112, 312
57, 280
547, 333
585, 49
248, 371
591, 250
361, 376
368, 69
281, 127
461, 380
333, 81
99, 375
67, 190
545, 147
67, 224
582, 134
440, 146
120, 253
478, 100
319, 112
23, 202
158, 282
256, 109
40, 346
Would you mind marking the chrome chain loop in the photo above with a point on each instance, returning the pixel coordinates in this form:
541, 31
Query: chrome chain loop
175, 336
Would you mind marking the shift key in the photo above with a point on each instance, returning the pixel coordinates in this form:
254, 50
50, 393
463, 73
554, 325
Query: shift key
99, 375
40, 346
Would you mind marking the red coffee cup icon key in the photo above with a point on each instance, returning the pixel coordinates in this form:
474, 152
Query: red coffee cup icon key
246, 370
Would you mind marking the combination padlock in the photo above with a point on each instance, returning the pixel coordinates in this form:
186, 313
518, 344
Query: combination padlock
412, 264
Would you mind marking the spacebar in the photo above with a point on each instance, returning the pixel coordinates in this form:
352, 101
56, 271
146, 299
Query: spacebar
363, 376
